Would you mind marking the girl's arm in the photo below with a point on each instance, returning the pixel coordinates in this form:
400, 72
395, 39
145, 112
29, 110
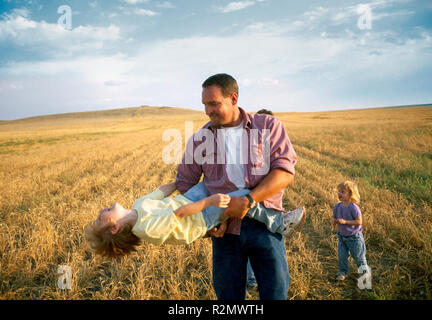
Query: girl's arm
333, 218
357, 222
333, 221
218, 200
168, 188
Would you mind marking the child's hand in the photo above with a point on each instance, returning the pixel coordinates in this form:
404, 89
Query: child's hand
333, 221
341, 221
220, 200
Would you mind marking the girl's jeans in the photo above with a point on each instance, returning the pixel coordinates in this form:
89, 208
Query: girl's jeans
353, 245
264, 249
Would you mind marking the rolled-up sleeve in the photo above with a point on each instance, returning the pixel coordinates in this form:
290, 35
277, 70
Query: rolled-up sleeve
282, 153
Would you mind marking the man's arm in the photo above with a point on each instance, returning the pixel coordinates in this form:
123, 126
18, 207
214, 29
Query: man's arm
188, 173
168, 189
272, 184
282, 161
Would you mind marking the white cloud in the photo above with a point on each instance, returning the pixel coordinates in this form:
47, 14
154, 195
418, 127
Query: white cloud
321, 17
91, 69
144, 12
47, 37
291, 68
165, 5
235, 6
113, 83
24, 12
315, 13
135, 1
137, 11
6, 85
392, 14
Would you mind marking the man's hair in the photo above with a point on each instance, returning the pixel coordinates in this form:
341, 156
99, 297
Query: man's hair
265, 111
225, 82
351, 187
110, 245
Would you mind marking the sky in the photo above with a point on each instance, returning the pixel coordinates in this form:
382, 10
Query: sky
287, 56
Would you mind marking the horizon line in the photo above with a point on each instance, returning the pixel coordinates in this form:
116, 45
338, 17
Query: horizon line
189, 109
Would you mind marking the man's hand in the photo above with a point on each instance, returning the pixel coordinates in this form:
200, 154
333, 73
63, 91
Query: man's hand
237, 208
218, 232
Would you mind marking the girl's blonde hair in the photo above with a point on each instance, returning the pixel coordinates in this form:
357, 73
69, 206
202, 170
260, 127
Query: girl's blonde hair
105, 243
351, 187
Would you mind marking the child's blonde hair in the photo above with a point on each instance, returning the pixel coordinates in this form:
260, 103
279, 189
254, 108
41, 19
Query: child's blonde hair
351, 187
110, 245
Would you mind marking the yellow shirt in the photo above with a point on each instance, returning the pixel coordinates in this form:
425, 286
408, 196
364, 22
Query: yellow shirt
158, 224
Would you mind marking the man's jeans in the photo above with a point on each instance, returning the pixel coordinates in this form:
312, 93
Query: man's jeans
356, 246
265, 250
251, 280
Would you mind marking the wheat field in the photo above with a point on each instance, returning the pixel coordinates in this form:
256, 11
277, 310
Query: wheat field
56, 172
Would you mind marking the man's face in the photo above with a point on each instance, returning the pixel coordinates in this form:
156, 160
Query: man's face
220, 109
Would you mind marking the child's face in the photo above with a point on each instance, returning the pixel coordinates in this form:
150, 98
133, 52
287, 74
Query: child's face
344, 195
109, 216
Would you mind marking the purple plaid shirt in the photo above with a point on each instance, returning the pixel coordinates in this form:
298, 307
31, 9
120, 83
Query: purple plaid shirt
276, 153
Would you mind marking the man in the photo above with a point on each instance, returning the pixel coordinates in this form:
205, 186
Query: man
229, 136
251, 280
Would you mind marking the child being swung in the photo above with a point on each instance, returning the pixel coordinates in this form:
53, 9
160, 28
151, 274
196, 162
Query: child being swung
157, 218
348, 219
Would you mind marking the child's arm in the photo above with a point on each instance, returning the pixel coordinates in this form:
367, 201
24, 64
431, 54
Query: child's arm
356, 222
218, 200
333, 218
168, 188
333, 221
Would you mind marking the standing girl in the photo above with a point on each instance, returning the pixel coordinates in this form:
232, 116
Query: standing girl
348, 218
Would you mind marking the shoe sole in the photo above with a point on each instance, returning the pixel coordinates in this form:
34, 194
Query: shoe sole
299, 226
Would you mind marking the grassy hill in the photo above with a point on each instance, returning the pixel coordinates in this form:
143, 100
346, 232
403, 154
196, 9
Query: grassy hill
58, 171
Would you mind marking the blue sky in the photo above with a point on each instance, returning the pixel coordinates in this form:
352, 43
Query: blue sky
300, 56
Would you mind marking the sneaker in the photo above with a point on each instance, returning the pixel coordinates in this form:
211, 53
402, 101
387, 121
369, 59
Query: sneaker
252, 285
340, 277
293, 221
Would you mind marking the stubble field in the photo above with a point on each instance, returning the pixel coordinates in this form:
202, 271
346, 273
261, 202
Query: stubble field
56, 173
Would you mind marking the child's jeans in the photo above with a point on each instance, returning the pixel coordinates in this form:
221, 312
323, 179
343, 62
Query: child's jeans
271, 218
353, 245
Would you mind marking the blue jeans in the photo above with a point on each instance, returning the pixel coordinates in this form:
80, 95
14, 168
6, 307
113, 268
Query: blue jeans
251, 280
266, 252
353, 245
271, 218
264, 248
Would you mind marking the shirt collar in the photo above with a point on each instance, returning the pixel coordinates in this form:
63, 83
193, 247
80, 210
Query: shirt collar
246, 121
